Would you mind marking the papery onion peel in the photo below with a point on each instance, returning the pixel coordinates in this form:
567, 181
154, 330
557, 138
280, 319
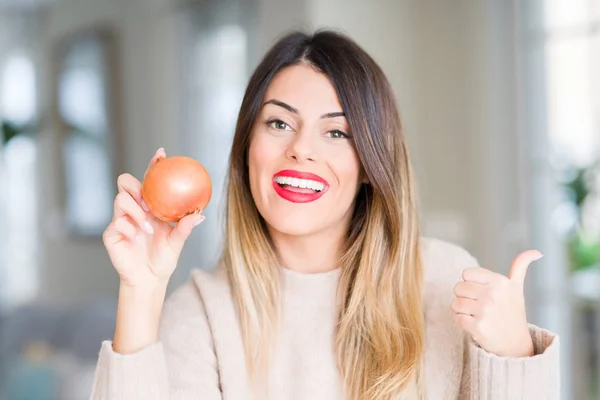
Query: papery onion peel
175, 187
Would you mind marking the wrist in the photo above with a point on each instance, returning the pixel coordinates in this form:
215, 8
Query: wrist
138, 317
527, 348
147, 290
522, 348
147, 283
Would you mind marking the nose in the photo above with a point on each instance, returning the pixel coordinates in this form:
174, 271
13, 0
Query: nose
301, 148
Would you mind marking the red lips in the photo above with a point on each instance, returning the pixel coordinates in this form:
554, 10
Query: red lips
296, 197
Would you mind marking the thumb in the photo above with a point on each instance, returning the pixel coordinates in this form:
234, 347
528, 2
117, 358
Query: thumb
518, 269
182, 230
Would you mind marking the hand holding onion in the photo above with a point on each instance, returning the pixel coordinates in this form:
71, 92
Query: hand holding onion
143, 246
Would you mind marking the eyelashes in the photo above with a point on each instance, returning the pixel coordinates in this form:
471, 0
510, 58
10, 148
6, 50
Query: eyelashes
280, 125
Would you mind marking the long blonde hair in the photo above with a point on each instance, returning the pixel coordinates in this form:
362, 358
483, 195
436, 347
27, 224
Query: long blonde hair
380, 328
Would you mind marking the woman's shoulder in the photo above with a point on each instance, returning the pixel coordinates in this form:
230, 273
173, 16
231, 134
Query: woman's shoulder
443, 263
444, 260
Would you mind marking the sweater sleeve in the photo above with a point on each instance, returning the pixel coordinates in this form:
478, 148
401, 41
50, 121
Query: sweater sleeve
182, 365
487, 376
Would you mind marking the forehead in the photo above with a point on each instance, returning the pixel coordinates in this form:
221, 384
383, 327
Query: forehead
305, 89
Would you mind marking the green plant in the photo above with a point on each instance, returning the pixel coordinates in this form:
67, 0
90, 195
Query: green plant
11, 130
581, 186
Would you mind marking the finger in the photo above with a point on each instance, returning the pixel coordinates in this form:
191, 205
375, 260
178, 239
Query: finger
119, 229
182, 230
160, 154
467, 322
126, 227
128, 183
518, 269
469, 290
480, 275
126, 205
461, 305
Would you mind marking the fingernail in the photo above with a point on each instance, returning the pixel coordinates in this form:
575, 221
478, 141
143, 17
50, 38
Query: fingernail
540, 256
145, 206
199, 220
148, 227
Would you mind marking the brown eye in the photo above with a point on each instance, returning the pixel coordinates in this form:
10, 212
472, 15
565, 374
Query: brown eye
279, 125
338, 135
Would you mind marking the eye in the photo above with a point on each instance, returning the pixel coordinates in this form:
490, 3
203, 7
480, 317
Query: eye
336, 134
279, 125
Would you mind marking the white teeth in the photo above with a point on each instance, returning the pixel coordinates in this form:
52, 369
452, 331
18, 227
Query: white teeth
301, 183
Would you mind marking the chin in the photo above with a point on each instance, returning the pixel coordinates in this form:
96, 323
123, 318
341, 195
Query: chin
296, 224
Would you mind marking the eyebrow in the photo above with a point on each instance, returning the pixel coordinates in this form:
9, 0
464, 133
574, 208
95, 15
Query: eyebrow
295, 111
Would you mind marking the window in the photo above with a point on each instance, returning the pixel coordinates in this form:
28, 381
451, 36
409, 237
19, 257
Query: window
562, 90
18, 178
84, 101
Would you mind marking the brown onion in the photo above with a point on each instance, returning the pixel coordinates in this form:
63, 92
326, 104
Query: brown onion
175, 187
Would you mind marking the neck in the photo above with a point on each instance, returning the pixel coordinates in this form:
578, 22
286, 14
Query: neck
314, 253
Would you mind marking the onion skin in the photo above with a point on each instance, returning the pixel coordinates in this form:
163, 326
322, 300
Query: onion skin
175, 187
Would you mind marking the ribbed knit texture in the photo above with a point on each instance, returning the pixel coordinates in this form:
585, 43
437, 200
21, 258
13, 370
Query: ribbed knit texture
200, 354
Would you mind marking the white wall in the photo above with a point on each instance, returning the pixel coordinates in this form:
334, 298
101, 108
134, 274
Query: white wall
73, 269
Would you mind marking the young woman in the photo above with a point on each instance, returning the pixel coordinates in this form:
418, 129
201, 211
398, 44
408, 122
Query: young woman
325, 289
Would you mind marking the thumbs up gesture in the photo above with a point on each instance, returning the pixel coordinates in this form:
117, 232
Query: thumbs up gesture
491, 308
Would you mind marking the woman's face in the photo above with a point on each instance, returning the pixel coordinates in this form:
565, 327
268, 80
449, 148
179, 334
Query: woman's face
304, 169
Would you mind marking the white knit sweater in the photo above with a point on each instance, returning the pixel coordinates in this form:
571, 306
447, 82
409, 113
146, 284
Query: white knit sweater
200, 353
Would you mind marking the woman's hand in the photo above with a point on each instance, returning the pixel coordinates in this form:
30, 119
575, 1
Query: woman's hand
491, 308
143, 249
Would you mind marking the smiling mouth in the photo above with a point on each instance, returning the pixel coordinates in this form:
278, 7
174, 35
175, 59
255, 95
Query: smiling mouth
299, 185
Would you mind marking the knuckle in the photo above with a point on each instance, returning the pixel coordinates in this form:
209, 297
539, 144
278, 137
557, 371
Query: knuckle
124, 177
469, 273
106, 233
458, 305
457, 288
122, 180
454, 304
121, 198
466, 273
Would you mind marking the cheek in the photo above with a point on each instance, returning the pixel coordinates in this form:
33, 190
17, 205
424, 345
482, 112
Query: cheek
262, 158
347, 168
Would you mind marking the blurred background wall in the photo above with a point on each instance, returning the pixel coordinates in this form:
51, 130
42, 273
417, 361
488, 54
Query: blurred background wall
499, 101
